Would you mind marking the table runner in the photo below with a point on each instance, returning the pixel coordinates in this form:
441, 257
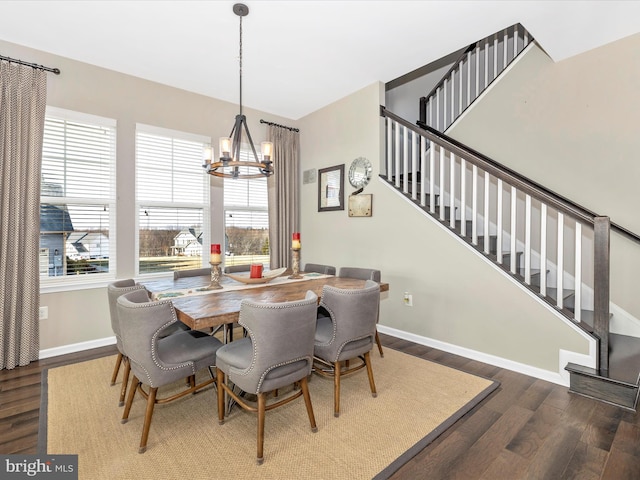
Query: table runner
233, 286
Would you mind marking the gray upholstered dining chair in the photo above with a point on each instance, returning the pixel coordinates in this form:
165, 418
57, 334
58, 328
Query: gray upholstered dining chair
156, 362
348, 333
245, 267
277, 352
194, 272
364, 274
318, 268
114, 290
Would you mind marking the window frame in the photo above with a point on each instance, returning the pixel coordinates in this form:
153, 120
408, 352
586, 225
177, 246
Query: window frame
139, 204
90, 280
246, 155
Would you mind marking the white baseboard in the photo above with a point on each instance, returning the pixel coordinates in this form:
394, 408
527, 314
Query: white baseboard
549, 376
76, 347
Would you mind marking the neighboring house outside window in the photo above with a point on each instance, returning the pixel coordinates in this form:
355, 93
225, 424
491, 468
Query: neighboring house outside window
172, 195
77, 195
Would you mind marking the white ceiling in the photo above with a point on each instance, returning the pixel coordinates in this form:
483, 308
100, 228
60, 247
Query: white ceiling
298, 55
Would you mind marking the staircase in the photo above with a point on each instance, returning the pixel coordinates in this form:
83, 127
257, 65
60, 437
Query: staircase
554, 247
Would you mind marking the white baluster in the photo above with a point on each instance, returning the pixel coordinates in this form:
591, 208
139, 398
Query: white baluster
468, 102
414, 165
577, 314
405, 160
474, 206
432, 175
463, 197
444, 105
423, 170
514, 214
560, 261
441, 187
543, 249
389, 149
499, 232
486, 212
495, 56
527, 240
397, 155
452, 190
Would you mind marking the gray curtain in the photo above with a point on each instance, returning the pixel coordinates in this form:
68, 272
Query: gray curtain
23, 92
284, 194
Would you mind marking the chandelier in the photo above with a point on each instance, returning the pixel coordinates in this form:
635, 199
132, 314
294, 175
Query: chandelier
229, 165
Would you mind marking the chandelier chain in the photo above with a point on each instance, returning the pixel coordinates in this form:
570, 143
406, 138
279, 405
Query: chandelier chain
240, 62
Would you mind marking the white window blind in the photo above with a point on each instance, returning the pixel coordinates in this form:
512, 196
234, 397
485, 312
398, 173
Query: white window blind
246, 219
77, 195
172, 199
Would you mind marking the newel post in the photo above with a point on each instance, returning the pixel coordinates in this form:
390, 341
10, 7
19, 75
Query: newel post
601, 254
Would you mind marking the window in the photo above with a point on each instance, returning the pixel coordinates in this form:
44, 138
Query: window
77, 199
172, 192
246, 219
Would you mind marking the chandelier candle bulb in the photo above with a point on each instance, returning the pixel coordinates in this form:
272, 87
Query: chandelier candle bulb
267, 151
215, 253
225, 147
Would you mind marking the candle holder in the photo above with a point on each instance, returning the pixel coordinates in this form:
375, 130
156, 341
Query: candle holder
215, 277
295, 260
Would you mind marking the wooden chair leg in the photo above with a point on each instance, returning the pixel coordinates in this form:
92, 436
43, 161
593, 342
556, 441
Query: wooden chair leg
262, 401
221, 409
367, 361
379, 344
151, 402
336, 389
125, 381
132, 393
304, 386
116, 369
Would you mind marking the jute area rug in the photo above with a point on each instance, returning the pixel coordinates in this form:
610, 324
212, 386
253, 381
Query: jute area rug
417, 400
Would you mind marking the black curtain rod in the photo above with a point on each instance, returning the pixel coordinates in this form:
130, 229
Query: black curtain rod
32, 65
281, 126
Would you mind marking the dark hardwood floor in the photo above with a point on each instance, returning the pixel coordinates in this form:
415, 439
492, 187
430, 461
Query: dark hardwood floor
526, 429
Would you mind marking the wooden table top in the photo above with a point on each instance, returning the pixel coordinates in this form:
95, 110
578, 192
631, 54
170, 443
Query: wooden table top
223, 306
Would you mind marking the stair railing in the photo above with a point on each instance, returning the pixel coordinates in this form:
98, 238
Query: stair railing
523, 227
470, 75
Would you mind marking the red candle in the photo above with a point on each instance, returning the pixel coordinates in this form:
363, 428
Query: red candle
215, 253
256, 270
295, 241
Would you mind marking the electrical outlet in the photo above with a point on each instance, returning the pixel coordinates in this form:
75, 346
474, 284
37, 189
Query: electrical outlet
44, 313
408, 299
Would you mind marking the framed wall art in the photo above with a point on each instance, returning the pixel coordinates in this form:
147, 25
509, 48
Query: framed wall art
331, 188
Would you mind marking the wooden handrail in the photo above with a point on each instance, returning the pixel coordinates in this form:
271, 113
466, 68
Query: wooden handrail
527, 185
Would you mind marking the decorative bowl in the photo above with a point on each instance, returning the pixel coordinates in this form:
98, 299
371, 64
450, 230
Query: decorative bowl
266, 276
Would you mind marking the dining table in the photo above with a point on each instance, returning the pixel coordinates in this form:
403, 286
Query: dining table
204, 309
